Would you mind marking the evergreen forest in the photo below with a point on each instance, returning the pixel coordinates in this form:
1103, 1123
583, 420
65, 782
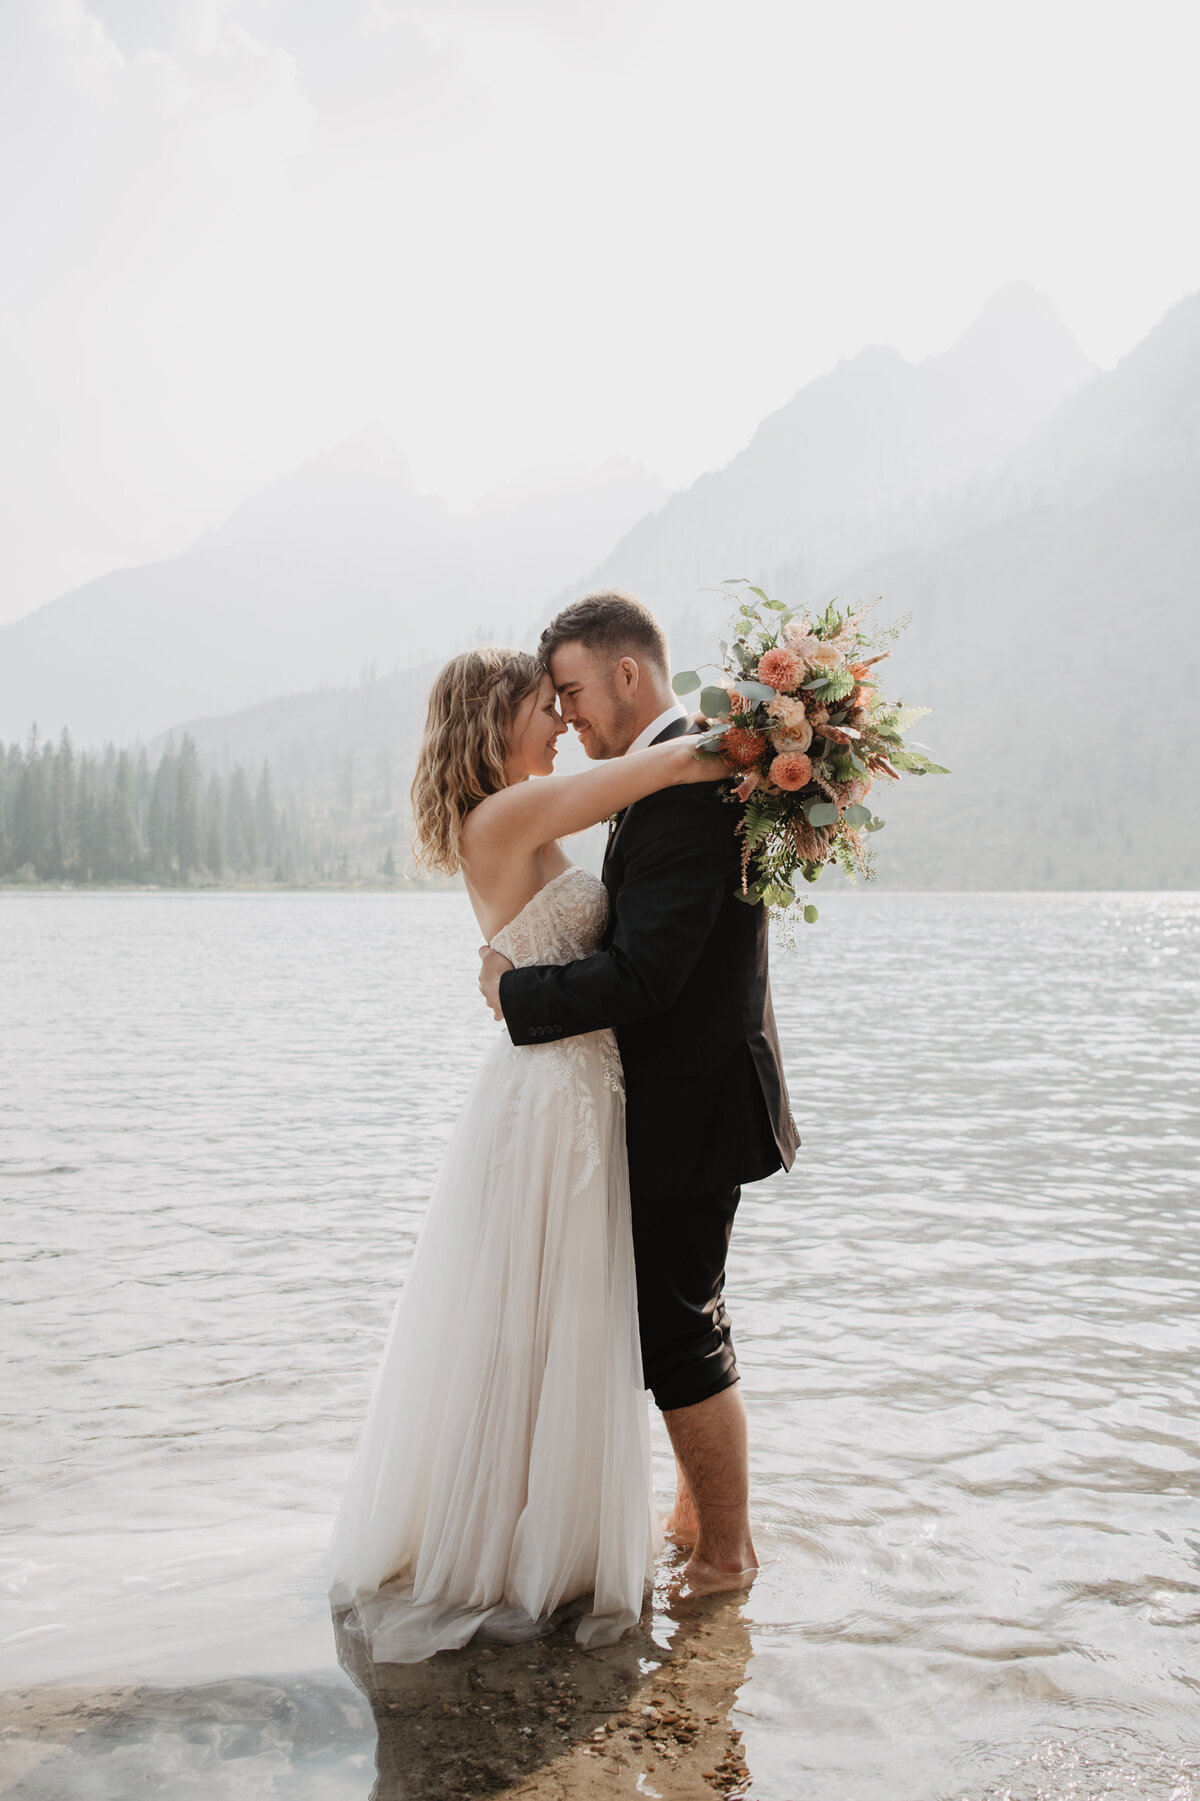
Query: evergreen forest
123, 816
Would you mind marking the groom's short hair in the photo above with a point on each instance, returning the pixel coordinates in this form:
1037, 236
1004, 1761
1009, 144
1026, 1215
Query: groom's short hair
611, 623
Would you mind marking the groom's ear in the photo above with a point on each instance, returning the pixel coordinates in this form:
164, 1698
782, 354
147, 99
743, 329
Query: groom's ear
627, 671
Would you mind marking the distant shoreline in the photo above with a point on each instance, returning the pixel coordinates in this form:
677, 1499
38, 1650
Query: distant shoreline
456, 887
263, 887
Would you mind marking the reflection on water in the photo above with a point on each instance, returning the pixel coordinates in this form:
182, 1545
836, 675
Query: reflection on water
307, 1738
649, 1715
967, 1323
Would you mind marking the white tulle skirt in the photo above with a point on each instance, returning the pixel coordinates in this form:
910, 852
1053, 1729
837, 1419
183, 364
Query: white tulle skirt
503, 1469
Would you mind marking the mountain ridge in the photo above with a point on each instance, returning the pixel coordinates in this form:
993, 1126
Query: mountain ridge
1054, 634
342, 562
853, 458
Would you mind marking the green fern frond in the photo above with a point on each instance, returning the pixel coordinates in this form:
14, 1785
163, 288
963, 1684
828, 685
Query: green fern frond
840, 683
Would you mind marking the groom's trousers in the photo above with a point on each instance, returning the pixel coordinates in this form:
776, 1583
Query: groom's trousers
680, 1242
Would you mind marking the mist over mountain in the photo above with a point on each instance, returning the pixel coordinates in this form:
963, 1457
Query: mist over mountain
1060, 651
339, 565
1051, 586
855, 463
1142, 418
1056, 635
342, 564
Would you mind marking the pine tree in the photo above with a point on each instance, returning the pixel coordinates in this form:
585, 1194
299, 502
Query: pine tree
187, 810
85, 825
102, 829
125, 848
62, 805
235, 834
214, 838
5, 812
156, 832
49, 866
29, 821
160, 818
266, 817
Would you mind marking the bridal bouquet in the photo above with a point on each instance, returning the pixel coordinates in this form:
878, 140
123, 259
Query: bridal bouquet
796, 707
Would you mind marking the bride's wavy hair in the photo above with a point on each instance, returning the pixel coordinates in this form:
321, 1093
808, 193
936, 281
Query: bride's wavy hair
472, 705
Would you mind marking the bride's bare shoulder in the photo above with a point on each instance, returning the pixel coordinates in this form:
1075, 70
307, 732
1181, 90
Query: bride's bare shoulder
498, 815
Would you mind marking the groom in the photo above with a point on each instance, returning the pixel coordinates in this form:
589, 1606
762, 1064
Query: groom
683, 981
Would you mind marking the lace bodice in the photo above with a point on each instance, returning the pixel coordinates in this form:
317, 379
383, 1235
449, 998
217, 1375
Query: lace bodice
564, 920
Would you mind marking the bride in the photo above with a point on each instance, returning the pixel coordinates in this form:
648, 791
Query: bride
504, 1469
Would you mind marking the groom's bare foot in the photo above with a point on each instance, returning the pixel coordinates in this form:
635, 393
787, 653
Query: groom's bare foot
699, 1577
709, 1441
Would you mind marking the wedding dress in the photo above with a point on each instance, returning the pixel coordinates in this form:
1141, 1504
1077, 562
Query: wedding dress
504, 1466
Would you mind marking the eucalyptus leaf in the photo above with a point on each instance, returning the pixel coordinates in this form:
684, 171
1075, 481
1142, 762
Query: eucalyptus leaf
919, 765
753, 690
822, 681
762, 596
822, 812
733, 581
714, 703
686, 682
876, 825
810, 915
856, 815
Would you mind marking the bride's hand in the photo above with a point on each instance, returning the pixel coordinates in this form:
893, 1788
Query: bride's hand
699, 766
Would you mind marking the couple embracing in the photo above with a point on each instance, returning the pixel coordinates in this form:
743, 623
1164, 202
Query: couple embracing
573, 1252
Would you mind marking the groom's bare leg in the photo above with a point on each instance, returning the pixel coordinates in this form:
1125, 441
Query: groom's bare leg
683, 1526
711, 1449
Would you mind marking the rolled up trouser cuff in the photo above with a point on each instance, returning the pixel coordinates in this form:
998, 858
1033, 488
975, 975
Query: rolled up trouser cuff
698, 1380
680, 1244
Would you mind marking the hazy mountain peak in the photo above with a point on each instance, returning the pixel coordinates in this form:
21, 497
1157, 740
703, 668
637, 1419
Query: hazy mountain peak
363, 475
1013, 367
1140, 418
1165, 366
1018, 317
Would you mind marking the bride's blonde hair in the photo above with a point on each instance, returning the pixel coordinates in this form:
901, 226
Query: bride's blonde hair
463, 754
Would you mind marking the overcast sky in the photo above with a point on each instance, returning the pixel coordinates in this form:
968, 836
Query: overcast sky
516, 231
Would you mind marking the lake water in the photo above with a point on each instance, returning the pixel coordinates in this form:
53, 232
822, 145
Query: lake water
967, 1322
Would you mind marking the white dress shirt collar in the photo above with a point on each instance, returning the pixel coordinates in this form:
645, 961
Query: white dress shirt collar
645, 738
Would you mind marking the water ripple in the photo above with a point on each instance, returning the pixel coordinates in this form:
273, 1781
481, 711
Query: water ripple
967, 1319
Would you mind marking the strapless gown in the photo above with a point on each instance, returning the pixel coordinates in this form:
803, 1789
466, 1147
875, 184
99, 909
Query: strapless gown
504, 1466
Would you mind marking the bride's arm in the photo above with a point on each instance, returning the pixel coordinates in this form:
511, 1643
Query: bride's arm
534, 813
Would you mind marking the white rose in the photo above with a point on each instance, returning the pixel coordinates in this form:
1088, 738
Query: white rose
823, 656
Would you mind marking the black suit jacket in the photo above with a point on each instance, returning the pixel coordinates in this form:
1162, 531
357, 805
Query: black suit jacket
682, 979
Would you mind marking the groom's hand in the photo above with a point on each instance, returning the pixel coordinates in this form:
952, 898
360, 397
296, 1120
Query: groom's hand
494, 966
